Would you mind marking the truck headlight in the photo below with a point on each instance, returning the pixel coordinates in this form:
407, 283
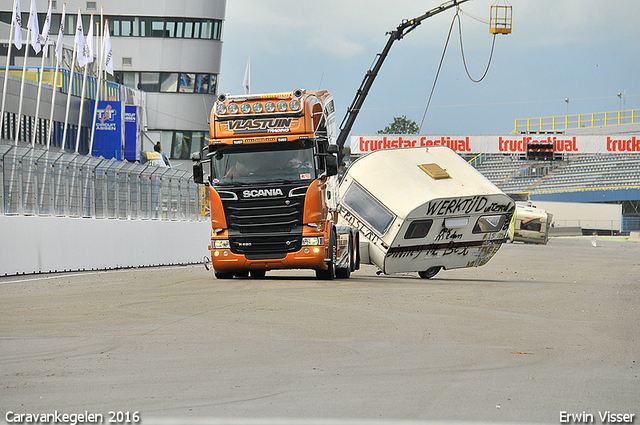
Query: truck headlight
294, 104
234, 108
270, 106
221, 109
245, 108
220, 244
282, 106
312, 241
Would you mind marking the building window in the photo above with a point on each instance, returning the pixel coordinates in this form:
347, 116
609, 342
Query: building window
181, 145
169, 82
132, 26
197, 142
150, 81
187, 83
188, 29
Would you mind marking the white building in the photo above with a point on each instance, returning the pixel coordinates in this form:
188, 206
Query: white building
170, 50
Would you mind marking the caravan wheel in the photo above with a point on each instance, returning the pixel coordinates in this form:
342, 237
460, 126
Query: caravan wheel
430, 272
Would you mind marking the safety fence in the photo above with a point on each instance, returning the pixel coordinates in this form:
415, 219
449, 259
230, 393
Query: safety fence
109, 89
41, 182
568, 122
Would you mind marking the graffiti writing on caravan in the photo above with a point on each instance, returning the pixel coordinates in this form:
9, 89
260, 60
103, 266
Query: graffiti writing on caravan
261, 125
458, 145
520, 145
470, 205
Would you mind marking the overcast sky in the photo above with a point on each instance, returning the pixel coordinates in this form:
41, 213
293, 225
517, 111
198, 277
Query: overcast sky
586, 51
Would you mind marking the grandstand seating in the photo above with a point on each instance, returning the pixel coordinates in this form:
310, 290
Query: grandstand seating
514, 174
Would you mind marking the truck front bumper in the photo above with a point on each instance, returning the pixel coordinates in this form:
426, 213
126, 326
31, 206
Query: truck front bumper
309, 257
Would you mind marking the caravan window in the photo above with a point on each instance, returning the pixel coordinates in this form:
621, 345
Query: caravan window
418, 229
368, 208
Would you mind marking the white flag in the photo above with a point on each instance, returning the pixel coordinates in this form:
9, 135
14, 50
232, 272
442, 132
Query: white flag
17, 26
87, 51
246, 83
79, 40
108, 53
45, 32
32, 24
61, 34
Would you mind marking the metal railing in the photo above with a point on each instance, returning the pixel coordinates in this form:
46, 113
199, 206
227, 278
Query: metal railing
36, 181
109, 89
568, 122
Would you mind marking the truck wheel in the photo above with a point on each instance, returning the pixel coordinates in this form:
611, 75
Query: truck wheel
258, 274
224, 275
330, 273
430, 272
346, 272
356, 247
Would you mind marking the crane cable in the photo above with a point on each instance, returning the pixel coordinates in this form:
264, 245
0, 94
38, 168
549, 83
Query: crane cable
446, 44
456, 16
493, 43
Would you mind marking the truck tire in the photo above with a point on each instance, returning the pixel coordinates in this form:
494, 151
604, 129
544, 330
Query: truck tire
330, 273
224, 275
258, 274
345, 273
430, 272
356, 250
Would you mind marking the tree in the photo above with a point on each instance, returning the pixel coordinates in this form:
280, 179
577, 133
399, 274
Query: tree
401, 125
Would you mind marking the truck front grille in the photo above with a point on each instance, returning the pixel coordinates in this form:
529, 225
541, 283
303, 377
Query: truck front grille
261, 228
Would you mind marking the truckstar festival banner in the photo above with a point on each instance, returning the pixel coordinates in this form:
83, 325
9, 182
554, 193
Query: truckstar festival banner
495, 143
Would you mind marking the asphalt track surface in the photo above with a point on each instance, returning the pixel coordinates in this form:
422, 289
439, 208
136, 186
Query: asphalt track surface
538, 331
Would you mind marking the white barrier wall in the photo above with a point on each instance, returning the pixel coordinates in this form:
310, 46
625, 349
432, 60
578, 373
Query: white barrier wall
31, 244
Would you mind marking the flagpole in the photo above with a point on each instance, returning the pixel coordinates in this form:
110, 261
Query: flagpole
84, 83
246, 82
55, 74
95, 108
33, 135
6, 69
24, 73
44, 54
70, 85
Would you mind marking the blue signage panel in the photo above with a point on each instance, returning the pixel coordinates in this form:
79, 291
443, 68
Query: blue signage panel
130, 132
107, 141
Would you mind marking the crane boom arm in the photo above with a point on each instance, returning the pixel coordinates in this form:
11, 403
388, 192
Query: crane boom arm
403, 29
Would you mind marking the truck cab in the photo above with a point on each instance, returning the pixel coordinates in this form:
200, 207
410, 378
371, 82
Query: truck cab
271, 162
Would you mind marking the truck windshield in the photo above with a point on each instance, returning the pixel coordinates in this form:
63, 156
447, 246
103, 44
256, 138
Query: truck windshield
263, 166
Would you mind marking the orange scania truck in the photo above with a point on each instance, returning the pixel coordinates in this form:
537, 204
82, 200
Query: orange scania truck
272, 162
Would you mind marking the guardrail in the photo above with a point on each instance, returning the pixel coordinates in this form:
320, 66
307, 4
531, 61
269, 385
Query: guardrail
568, 122
109, 89
36, 181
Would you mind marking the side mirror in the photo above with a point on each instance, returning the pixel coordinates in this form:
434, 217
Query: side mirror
198, 173
331, 163
333, 149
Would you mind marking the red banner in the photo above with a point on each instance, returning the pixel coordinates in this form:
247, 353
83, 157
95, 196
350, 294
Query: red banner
493, 143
